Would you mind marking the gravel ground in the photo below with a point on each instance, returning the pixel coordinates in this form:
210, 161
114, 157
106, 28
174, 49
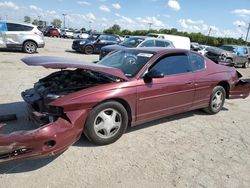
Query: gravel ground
187, 150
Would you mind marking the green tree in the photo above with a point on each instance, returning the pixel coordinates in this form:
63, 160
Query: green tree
115, 29
35, 22
56, 23
126, 32
27, 19
83, 29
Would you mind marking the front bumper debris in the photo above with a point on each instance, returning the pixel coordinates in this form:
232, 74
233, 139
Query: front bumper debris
50, 139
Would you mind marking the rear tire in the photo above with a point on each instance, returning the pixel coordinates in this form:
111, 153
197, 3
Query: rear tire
246, 65
29, 47
106, 123
217, 100
88, 50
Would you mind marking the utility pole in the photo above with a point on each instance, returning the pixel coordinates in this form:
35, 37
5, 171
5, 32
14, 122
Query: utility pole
247, 32
209, 32
90, 22
64, 19
150, 25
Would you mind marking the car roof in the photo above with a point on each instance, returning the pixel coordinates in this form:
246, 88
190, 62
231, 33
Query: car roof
157, 50
15, 22
231, 45
158, 39
142, 37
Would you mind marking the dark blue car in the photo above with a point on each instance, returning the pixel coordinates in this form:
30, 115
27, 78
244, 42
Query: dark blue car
94, 43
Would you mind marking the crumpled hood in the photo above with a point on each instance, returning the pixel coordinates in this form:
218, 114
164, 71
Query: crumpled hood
63, 63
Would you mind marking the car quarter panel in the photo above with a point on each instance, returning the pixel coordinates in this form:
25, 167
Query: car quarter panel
205, 80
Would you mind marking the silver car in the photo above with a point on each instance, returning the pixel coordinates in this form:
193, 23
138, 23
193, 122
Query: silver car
26, 37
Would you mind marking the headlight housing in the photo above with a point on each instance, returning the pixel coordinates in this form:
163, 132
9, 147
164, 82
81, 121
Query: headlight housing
82, 42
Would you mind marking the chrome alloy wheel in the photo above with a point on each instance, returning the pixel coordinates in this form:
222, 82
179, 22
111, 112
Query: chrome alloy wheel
107, 123
217, 100
30, 47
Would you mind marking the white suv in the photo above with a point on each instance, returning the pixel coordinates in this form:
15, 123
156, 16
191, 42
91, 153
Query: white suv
22, 36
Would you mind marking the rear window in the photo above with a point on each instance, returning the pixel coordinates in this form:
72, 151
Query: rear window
18, 27
160, 43
197, 62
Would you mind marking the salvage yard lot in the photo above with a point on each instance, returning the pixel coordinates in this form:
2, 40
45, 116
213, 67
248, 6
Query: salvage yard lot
188, 150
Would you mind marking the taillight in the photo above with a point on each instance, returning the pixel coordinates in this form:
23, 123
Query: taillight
39, 33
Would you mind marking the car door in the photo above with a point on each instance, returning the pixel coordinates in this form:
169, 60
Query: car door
13, 35
171, 94
103, 40
241, 55
3, 29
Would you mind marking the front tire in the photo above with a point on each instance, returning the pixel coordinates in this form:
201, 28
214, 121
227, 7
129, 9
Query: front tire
106, 123
29, 47
217, 100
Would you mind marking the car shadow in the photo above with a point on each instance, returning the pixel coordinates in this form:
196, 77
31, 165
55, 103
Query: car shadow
72, 51
170, 118
25, 165
75, 52
22, 123
15, 51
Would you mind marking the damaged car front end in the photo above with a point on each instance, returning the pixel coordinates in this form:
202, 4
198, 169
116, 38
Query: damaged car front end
58, 127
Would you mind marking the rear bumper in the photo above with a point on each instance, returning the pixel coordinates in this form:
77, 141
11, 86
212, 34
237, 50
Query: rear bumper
41, 45
50, 139
241, 90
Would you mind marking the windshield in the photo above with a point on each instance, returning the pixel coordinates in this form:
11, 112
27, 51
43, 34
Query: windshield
228, 48
129, 62
152, 35
132, 42
93, 36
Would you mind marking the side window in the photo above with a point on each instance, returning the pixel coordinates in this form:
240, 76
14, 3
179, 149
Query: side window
103, 37
14, 27
3, 27
245, 51
167, 44
112, 38
174, 64
197, 62
148, 43
159, 43
27, 28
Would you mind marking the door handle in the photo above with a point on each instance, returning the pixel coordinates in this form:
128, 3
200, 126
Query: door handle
189, 83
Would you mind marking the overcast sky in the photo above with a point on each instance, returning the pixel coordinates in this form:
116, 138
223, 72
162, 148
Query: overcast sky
225, 17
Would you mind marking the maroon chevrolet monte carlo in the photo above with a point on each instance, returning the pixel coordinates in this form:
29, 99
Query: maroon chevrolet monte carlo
127, 88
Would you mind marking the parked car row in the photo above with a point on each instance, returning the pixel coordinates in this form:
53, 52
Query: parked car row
104, 44
231, 55
65, 33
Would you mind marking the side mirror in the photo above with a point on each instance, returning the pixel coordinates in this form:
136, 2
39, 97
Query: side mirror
153, 74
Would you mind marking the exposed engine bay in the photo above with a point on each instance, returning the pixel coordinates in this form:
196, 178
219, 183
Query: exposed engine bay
59, 84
